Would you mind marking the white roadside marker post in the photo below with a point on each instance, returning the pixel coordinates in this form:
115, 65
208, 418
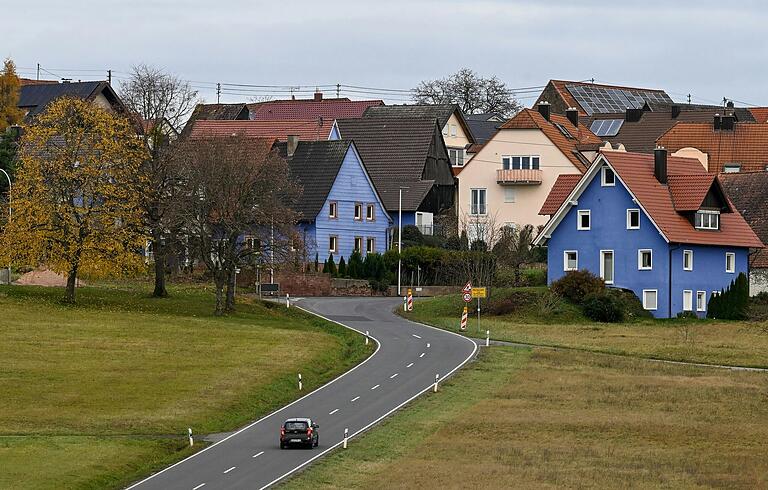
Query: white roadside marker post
405, 303
191, 441
346, 435
300, 384
437, 377
287, 300
487, 338
367, 335
428, 345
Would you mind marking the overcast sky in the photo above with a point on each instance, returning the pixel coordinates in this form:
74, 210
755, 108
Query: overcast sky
709, 49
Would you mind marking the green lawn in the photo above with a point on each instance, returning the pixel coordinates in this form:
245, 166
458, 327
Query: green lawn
706, 341
520, 418
100, 393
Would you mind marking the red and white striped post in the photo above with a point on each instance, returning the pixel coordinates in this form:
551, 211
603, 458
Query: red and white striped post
463, 326
410, 300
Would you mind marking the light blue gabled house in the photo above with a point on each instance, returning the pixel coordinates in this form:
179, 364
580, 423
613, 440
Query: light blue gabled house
659, 226
340, 208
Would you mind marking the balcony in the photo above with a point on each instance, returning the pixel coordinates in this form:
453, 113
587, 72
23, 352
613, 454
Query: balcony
518, 177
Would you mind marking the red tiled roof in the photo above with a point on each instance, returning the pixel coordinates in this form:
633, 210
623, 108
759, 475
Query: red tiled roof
636, 171
689, 191
532, 119
560, 191
305, 129
328, 109
760, 114
747, 144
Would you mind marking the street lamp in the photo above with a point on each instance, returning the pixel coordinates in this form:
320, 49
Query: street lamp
10, 213
399, 236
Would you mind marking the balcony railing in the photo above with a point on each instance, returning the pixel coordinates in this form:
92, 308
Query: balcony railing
518, 177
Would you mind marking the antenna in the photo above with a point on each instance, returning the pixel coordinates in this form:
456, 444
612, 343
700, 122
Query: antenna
689, 99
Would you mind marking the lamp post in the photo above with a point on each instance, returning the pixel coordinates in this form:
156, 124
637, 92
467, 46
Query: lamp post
399, 236
10, 213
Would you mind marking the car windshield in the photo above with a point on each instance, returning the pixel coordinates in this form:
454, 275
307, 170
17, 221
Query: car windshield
296, 426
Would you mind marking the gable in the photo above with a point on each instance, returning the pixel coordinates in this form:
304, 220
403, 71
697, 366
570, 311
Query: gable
352, 183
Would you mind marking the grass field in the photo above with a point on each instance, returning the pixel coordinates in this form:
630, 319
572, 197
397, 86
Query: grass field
706, 341
100, 393
518, 418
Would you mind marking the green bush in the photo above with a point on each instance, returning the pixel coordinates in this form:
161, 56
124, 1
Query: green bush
576, 285
355, 266
758, 307
603, 307
330, 266
342, 267
687, 314
549, 304
534, 277
631, 304
733, 303
515, 302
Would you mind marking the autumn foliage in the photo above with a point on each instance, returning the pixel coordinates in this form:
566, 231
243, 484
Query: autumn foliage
77, 195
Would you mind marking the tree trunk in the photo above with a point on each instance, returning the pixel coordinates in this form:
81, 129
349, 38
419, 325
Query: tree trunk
159, 253
219, 279
69, 296
230, 306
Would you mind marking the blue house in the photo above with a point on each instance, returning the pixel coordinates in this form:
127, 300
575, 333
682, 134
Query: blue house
660, 226
340, 209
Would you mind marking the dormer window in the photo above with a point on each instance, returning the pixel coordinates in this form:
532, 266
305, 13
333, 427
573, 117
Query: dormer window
732, 168
707, 220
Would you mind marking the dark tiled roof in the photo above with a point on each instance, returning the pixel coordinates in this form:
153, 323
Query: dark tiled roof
314, 166
560, 191
441, 112
482, 130
749, 194
484, 116
395, 152
328, 109
220, 112
35, 97
306, 130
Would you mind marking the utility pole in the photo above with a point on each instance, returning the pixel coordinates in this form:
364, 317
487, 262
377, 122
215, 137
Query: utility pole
689, 99
109, 76
399, 237
10, 213
338, 90
218, 93
38, 71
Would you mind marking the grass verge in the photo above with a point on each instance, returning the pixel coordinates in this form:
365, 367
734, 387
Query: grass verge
97, 394
545, 419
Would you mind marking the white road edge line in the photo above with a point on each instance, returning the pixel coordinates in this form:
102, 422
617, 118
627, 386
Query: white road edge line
421, 355
333, 411
378, 347
393, 376
374, 387
417, 336
199, 486
227, 471
409, 365
256, 455
355, 399
429, 387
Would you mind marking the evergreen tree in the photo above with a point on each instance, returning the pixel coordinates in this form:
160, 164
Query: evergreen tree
331, 266
355, 268
733, 302
342, 268
10, 85
317, 262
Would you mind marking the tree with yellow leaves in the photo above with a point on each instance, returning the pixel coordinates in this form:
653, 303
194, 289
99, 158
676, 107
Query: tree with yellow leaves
77, 195
10, 85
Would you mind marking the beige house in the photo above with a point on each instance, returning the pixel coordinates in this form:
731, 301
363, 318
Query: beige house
506, 182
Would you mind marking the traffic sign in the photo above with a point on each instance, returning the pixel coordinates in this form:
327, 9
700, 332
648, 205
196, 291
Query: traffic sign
478, 292
467, 297
463, 325
467, 288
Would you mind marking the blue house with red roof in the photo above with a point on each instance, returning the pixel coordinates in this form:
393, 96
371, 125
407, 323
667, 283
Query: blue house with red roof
657, 225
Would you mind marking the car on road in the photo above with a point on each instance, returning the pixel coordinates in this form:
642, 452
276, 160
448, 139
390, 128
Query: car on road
299, 432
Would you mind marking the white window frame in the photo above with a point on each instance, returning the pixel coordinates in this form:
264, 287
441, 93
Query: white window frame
370, 245
730, 257
333, 210
603, 173
471, 201
355, 248
613, 266
655, 298
333, 244
565, 260
710, 217
453, 131
579, 214
640, 253
530, 158
358, 207
701, 301
629, 220
688, 294
690, 254
509, 190
732, 168
370, 212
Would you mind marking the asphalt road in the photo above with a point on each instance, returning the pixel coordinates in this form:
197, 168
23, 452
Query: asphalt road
408, 357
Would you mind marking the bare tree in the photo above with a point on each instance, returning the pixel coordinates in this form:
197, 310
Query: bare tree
236, 202
161, 103
513, 248
478, 264
470, 91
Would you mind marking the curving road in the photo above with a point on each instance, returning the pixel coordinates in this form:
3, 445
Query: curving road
408, 357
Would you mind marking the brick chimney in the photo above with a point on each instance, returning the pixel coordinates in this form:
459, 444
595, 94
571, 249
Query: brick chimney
660, 164
573, 115
544, 109
318, 96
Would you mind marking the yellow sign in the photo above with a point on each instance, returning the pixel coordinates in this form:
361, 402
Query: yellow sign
478, 292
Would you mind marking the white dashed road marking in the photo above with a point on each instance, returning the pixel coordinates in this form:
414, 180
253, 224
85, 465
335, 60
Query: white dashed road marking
417, 336
333, 411
355, 399
393, 376
409, 365
421, 355
232, 468
375, 387
199, 486
257, 454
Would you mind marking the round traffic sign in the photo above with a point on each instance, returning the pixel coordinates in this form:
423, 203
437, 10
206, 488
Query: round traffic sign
468, 297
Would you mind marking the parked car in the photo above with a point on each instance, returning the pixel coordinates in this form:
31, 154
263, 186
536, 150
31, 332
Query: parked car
299, 431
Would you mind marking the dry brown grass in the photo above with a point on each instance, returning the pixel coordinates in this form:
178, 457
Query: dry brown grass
568, 419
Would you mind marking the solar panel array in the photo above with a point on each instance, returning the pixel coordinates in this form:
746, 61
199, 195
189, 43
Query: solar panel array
606, 127
596, 99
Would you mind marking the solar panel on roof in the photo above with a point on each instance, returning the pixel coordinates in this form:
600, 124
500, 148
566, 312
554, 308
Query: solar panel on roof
596, 99
606, 127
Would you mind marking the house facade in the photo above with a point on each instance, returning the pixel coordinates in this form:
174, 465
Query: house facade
509, 178
656, 225
340, 208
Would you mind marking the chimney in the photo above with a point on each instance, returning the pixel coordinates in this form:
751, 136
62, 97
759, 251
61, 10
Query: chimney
727, 122
573, 115
660, 164
675, 111
544, 109
318, 96
633, 115
293, 142
717, 122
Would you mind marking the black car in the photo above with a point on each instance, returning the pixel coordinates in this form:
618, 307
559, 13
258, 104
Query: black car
299, 432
